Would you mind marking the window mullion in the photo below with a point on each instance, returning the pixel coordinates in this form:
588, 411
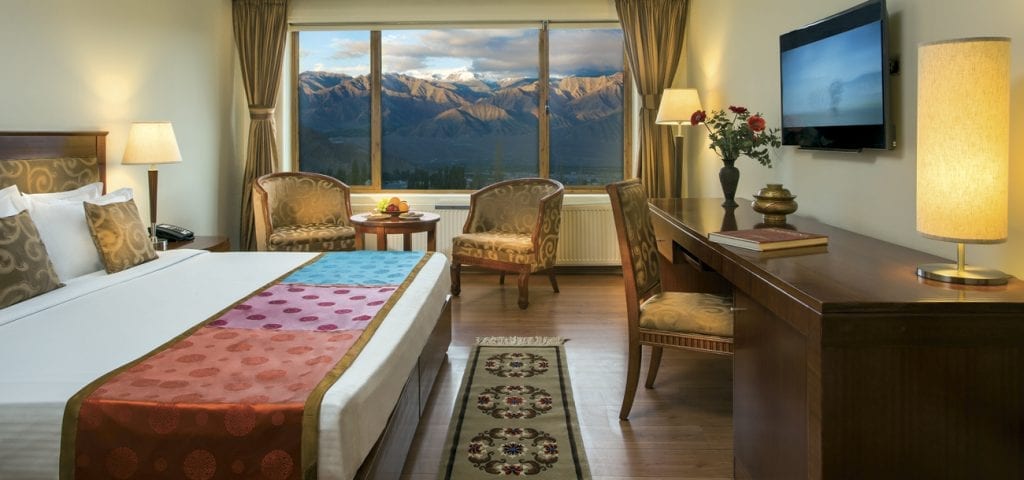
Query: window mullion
543, 113
375, 109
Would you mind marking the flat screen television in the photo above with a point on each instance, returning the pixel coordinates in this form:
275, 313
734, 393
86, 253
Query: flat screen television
835, 81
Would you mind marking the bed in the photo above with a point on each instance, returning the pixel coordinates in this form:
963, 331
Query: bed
57, 343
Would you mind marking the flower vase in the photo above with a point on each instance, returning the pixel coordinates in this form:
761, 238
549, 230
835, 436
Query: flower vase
729, 175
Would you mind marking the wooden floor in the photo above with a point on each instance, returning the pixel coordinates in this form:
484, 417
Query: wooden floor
680, 429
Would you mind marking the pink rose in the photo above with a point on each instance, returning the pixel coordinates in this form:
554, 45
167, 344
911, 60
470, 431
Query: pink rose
735, 109
756, 123
698, 117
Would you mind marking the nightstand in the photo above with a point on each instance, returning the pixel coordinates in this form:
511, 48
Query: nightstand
213, 243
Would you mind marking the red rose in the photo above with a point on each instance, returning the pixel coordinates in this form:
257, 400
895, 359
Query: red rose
735, 109
756, 123
698, 117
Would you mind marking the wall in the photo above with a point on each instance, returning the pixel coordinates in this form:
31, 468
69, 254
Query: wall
102, 64
733, 59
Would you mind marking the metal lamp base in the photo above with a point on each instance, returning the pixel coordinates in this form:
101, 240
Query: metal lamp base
948, 272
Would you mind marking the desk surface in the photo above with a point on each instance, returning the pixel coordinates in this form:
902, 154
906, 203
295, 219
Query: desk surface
857, 273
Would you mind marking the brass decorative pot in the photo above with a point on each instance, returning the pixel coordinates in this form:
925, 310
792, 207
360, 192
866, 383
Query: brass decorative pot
774, 202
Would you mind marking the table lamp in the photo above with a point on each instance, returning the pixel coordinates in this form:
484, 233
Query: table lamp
963, 142
676, 107
151, 143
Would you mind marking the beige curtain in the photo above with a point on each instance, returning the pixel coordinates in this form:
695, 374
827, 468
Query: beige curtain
260, 28
653, 30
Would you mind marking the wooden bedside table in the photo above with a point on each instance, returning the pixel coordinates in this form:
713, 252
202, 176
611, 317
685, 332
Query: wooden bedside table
213, 243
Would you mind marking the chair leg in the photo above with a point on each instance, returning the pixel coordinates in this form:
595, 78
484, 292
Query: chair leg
652, 369
456, 271
554, 283
632, 379
524, 285
501, 278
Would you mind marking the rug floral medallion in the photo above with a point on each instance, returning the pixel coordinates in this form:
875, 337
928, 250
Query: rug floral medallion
514, 415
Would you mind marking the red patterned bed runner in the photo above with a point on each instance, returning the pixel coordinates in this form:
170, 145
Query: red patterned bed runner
237, 396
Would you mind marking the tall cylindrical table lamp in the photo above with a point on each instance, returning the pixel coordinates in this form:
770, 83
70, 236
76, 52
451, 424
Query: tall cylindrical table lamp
963, 142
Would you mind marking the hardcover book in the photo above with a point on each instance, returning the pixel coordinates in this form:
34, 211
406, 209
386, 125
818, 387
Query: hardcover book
765, 239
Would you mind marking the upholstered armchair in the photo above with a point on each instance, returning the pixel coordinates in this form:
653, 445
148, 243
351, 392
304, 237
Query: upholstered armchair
300, 211
512, 227
686, 320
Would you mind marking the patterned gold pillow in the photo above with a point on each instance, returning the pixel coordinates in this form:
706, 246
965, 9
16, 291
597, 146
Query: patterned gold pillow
119, 235
25, 268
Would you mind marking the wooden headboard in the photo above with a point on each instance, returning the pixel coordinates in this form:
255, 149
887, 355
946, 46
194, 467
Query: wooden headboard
42, 162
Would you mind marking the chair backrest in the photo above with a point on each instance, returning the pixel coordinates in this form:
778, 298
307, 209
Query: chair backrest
637, 245
301, 198
516, 206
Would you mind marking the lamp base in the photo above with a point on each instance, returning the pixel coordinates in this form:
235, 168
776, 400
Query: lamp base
947, 272
159, 244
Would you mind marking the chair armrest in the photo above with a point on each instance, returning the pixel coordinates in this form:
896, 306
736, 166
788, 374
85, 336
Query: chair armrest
261, 214
545, 234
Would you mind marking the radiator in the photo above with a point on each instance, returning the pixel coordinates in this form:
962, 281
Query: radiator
586, 237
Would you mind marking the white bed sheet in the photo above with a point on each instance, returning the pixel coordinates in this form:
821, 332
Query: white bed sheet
53, 345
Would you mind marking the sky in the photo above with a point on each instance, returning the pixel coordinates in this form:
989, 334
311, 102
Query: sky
492, 53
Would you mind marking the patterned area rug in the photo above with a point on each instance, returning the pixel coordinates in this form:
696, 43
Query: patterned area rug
514, 415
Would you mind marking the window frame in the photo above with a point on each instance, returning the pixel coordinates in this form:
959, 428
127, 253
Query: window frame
543, 120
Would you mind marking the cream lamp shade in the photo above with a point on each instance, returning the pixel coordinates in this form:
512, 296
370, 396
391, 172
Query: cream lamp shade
963, 140
677, 106
151, 143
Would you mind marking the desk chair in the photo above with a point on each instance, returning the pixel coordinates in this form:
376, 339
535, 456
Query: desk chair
686, 320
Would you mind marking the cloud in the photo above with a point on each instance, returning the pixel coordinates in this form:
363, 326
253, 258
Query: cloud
585, 52
346, 48
492, 52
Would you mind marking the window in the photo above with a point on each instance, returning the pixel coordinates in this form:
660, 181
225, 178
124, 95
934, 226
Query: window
586, 104
458, 109
333, 105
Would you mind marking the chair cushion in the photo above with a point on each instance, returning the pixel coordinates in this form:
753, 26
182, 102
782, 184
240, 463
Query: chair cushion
684, 312
316, 237
501, 246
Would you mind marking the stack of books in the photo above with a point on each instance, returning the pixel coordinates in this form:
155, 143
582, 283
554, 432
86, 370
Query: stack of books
766, 239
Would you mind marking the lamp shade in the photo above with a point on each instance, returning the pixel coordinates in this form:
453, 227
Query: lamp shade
151, 143
677, 106
963, 139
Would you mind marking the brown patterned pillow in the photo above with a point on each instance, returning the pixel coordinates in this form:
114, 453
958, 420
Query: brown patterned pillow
119, 235
25, 268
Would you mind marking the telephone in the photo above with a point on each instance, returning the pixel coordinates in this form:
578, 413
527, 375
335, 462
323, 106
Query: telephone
173, 233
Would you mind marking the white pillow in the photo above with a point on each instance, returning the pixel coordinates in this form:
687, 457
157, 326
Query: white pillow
89, 192
10, 201
62, 227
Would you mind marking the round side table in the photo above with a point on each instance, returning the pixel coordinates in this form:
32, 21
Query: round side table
396, 225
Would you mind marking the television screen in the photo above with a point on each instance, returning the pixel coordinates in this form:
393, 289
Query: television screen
835, 81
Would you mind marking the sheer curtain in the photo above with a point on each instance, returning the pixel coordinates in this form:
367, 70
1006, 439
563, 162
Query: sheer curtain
260, 28
653, 30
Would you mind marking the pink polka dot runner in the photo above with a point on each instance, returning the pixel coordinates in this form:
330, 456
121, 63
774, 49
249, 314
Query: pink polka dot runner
237, 396
514, 415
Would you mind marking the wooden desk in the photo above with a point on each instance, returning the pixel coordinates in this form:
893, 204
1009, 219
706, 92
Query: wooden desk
847, 365
395, 225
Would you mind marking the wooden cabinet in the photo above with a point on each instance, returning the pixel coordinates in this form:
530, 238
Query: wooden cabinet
213, 243
847, 365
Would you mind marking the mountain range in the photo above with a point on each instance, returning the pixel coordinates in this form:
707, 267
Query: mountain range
423, 117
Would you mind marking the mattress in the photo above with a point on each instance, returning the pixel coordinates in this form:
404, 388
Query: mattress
53, 345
